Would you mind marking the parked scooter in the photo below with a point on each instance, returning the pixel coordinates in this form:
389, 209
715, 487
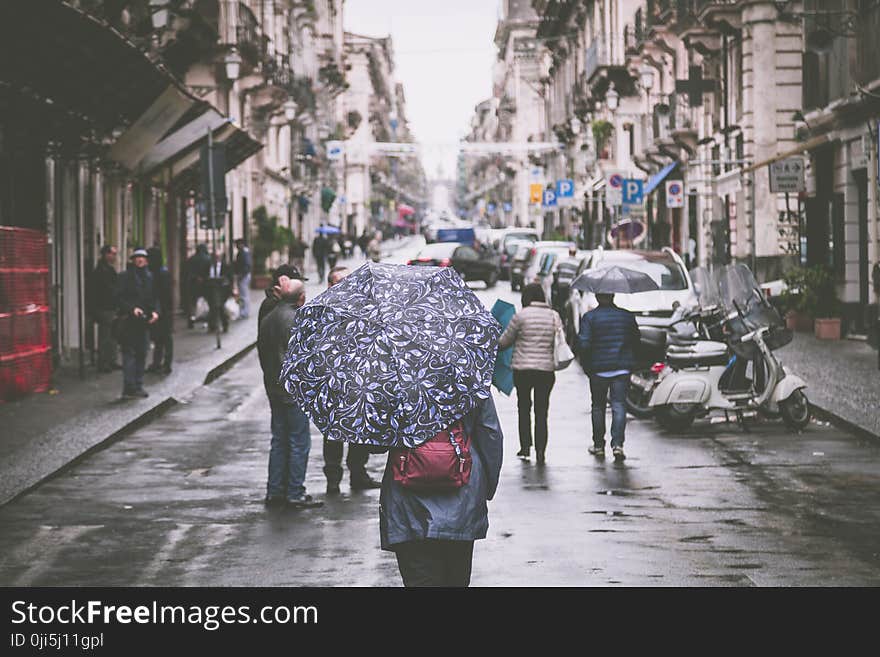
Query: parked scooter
705, 377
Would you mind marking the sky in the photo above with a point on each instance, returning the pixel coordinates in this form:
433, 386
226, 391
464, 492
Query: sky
444, 52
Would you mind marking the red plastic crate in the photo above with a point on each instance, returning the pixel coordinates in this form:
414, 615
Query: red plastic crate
7, 339
23, 248
24, 373
30, 329
23, 288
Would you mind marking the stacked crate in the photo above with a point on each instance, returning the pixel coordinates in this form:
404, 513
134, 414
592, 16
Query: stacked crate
25, 360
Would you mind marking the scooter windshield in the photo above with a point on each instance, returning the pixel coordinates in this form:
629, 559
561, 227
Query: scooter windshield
706, 288
746, 308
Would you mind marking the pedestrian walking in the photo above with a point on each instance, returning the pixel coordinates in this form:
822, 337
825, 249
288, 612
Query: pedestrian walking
161, 330
532, 333
197, 270
273, 292
218, 288
374, 248
607, 340
333, 252
291, 441
137, 302
102, 307
358, 455
363, 241
319, 251
445, 440
298, 250
242, 268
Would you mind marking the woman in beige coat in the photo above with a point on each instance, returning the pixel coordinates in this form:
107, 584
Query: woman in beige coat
532, 333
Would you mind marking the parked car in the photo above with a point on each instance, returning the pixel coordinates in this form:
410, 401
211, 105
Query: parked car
518, 264
653, 308
470, 264
544, 256
503, 240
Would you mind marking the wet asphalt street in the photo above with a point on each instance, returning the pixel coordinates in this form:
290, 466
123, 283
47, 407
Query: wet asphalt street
179, 503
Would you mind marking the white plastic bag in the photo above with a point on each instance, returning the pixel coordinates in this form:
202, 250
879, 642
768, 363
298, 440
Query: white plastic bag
233, 310
562, 354
201, 310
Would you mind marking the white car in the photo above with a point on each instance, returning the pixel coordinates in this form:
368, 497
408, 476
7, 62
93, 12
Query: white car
653, 308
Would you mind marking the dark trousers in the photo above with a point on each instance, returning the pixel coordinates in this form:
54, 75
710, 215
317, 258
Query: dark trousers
322, 265
135, 342
107, 346
542, 383
356, 461
600, 387
218, 293
163, 344
435, 562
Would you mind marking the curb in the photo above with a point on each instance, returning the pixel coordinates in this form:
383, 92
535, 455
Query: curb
227, 364
142, 420
842, 423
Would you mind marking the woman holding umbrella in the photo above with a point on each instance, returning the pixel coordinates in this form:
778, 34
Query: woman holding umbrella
532, 333
401, 358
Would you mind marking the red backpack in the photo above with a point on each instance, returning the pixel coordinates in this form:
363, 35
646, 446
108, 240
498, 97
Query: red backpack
442, 463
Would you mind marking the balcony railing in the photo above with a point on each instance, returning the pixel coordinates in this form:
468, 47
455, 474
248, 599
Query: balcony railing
680, 117
248, 35
277, 71
868, 45
599, 55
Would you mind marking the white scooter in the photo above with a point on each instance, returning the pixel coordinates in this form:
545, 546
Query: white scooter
704, 377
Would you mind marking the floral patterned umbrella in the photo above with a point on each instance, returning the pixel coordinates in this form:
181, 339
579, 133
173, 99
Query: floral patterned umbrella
391, 355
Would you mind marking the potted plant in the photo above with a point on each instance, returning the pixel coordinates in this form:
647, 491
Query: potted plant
270, 237
602, 131
812, 302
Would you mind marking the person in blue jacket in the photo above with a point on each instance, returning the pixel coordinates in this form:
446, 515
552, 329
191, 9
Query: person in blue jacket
607, 340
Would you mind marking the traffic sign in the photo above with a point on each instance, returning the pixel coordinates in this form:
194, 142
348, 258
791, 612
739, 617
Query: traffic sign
535, 192
674, 194
565, 188
613, 189
490, 208
549, 199
335, 150
787, 176
508, 207
633, 191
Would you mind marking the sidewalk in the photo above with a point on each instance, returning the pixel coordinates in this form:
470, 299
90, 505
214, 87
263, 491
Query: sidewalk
843, 381
44, 432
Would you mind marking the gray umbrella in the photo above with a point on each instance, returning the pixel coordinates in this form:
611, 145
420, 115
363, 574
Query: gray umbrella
614, 280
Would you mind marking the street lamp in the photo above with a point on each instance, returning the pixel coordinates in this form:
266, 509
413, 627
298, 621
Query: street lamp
612, 97
159, 13
289, 108
233, 64
646, 77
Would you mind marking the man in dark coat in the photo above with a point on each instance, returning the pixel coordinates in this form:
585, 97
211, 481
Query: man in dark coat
197, 267
102, 307
358, 455
291, 441
320, 247
163, 344
136, 300
273, 292
218, 289
607, 339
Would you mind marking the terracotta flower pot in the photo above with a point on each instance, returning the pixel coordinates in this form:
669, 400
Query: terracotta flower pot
798, 321
260, 281
827, 328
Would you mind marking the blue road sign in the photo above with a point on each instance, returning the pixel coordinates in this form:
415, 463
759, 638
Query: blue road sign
633, 191
490, 208
565, 188
508, 207
549, 199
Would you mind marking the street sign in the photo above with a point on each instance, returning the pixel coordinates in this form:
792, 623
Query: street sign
335, 150
787, 176
536, 173
549, 199
613, 189
535, 192
674, 194
490, 208
633, 191
508, 207
565, 188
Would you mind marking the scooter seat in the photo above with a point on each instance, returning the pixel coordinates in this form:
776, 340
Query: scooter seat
700, 354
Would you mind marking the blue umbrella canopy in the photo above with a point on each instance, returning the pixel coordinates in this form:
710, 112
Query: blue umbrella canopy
329, 230
391, 355
613, 280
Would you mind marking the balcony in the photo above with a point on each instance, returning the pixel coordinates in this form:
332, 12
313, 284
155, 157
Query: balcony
599, 58
251, 43
868, 45
722, 15
682, 127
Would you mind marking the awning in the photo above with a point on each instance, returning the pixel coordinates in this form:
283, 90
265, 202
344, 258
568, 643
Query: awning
181, 140
659, 177
808, 145
107, 85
